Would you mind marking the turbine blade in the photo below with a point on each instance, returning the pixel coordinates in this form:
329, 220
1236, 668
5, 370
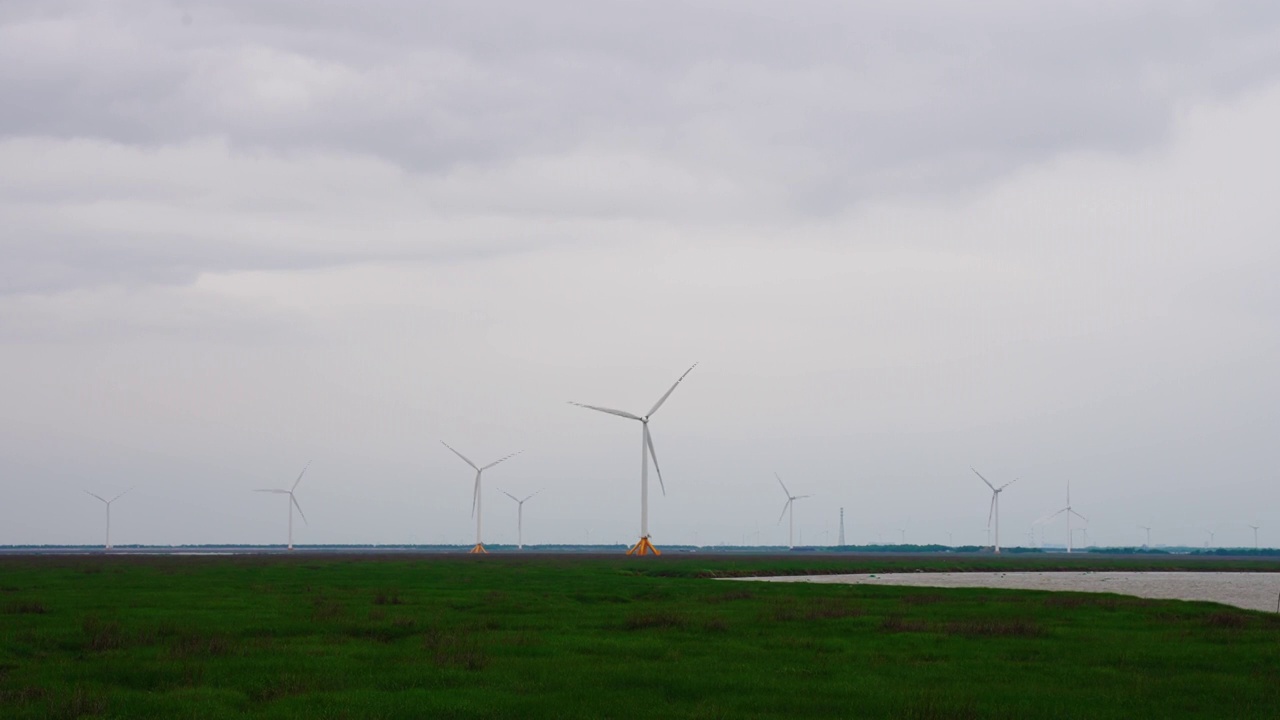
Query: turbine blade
1050, 516
304, 472
1007, 484
295, 504
96, 495
988, 482
126, 492
495, 462
800, 497
464, 457
513, 497
1073, 512
991, 513
530, 497
648, 441
673, 389
784, 485
619, 413
785, 505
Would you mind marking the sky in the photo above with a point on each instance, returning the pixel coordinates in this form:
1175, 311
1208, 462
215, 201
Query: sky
901, 240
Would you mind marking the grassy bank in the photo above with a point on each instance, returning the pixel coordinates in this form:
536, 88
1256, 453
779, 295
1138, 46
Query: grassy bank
582, 637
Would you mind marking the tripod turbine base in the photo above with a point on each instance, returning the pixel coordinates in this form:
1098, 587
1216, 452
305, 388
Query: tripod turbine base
479, 548
643, 547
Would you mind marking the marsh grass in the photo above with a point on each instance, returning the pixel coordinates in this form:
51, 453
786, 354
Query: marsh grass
460, 637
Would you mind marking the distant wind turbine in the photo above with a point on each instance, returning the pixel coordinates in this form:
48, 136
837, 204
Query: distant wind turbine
519, 517
995, 504
107, 545
1209, 544
476, 499
1068, 511
1148, 543
644, 546
789, 509
1255, 536
293, 501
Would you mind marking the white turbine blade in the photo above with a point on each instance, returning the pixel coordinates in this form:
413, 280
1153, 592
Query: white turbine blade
513, 497
96, 495
648, 441
785, 505
1073, 512
126, 492
784, 485
304, 472
495, 462
619, 413
800, 497
673, 389
530, 497
1007, 484
991, 513
988, 482
295, 504
1050, 516
464, 457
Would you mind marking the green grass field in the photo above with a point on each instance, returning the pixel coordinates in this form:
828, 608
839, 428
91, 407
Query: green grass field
502, 636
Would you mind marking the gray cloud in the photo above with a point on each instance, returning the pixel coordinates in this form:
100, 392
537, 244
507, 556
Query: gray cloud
902, 240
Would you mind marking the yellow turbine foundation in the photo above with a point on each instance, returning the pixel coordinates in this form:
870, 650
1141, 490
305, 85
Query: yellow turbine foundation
479, 548
643, 547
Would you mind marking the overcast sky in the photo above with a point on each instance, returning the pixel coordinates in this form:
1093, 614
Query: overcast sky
900, 238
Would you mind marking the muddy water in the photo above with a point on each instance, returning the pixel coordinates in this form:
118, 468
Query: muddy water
1252, 591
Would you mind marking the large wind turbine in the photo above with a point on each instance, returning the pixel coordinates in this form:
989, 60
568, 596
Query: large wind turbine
789, 509
1255, 535
107, 502
995, 504
476, 507
644, 546
519, 517
1148, 543
1069, 512
293, 501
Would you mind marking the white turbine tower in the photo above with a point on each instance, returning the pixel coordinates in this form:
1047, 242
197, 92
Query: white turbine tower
107, 545
1255, 535
644, 546
519, 517
789, 509
995, 505
293, 501
476, 506
1069, 512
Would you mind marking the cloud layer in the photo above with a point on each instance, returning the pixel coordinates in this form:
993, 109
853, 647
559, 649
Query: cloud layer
1038, 240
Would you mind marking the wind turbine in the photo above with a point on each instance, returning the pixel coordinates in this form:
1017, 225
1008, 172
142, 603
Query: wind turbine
519, 517
1255, 536
789, 509
476, 506
995, 505
1210, 543
1144, 527
293, 501
107, 502
644, 546
1069, 512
